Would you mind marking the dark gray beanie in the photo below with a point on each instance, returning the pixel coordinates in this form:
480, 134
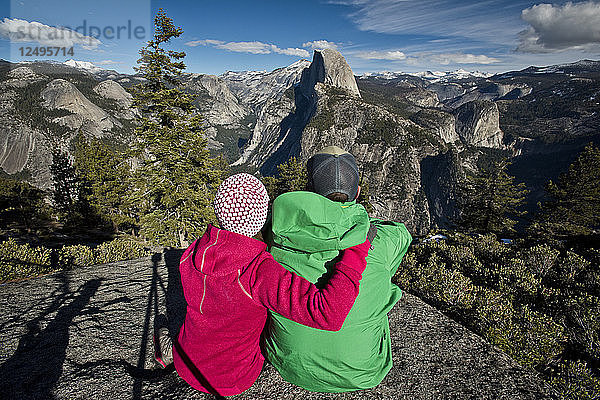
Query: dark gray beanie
333, 170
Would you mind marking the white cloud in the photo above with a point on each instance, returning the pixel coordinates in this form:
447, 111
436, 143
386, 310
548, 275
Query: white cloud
108, 62
253, 47
557, 28
291, 51
393, 55
204, 42
493, 21
460, 58
320, 45
246, 47
425, 57
19, 30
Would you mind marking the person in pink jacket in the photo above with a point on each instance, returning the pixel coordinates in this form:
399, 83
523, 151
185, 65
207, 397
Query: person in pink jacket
229, 280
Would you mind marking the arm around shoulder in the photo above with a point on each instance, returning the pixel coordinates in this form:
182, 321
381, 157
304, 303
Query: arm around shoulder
292, 296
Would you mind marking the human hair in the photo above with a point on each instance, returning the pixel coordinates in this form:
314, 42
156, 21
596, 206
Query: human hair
337, 196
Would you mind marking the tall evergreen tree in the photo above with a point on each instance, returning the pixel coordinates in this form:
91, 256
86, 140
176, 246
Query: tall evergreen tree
176, 180
489, 200
70, 194
573, 208
291, 176
66, 185
22, 207
106, 172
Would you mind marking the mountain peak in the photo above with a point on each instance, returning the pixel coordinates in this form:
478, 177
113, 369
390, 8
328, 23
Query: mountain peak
329, 67
85, 65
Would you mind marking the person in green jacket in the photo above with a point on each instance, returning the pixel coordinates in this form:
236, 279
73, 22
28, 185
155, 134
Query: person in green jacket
308, 231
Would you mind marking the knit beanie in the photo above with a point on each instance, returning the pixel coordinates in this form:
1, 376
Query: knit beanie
333, 170
241, 204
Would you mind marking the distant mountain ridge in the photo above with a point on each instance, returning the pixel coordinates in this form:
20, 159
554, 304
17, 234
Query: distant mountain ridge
431, 76
414, 134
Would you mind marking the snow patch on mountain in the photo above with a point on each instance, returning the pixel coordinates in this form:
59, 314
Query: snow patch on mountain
85, 65
256, 88
431, 76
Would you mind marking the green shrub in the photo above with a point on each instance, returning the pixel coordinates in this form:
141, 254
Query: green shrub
19, 261
494, 314
118, 250
76, 256
576, 381
517, 279
107, 252
540, 259
571, 271
538, 303
581, 315
540, 341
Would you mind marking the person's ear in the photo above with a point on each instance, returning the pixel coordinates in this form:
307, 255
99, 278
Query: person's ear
357, 193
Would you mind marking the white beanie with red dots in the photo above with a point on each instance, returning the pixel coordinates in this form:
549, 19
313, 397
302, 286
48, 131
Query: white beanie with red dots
241, 204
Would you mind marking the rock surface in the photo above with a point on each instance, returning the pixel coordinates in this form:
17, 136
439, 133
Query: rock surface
62, 94
21, 146
438, 122
255, 88
22, 76
330, 68
110, 89
15, 146
216, 102
87, 334
478, 124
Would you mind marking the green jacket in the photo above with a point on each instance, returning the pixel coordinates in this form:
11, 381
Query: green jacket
308, 232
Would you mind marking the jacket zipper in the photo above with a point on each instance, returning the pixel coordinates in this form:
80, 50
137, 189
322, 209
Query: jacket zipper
202, 266
242, 287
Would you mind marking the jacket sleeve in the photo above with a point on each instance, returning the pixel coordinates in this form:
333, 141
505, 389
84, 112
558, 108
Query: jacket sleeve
392, 243
403, 241
295, 298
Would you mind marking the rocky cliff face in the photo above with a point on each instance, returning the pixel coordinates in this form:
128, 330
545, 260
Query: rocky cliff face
43, 106
438, 122
478, 124
236, 104
255, 88
221, 109
388, 149
111, 90
397, 154
282, 120
215, 101
330, 68
21, 77
84, 115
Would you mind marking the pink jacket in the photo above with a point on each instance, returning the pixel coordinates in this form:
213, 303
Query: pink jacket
228, 282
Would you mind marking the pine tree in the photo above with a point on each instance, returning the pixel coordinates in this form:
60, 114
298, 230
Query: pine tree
176, 180
291, 176
70, 194
22, 207
107, 174
573, 208
66, 185
489, 200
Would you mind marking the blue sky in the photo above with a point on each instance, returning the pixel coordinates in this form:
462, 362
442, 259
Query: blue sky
373, 35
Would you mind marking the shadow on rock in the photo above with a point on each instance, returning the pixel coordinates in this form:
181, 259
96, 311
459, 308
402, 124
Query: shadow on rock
37, 364
176, 305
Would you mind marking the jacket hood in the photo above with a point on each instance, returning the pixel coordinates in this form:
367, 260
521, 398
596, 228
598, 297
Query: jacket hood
310, 222
220, 252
